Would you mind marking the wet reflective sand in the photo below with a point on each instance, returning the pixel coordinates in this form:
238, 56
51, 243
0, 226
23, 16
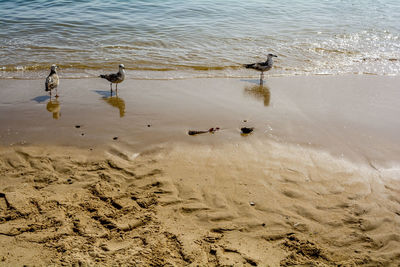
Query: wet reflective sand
349, 115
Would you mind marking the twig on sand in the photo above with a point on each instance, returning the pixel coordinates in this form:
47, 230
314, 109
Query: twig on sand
211, 130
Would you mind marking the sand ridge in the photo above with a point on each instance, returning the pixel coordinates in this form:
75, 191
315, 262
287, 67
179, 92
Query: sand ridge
248, 203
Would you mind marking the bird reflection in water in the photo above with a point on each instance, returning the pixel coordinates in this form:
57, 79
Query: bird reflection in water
114, 101
259, 91
53, 106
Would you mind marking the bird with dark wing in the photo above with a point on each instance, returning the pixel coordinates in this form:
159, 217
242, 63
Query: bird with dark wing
115, 77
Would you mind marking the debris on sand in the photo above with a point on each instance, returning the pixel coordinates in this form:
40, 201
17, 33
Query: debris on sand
247, 130
211, 130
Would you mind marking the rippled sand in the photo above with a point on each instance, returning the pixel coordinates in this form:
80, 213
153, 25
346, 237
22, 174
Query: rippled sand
250, 203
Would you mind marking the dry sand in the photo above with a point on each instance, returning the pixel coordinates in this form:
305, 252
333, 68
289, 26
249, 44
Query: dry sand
316, 183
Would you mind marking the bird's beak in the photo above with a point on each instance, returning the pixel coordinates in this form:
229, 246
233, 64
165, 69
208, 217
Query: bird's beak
274, 55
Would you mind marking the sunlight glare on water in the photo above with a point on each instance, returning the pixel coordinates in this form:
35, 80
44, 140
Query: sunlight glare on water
176, 38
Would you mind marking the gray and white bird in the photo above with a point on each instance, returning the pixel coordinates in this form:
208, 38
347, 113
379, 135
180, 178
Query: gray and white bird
52, 80
115, 77
262, 66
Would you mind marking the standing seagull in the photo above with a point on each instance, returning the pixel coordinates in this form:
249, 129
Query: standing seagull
52, 80
115, 77
262, 66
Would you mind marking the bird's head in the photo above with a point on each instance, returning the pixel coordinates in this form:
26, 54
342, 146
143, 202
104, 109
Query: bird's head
272, 55
121, 66
54, 68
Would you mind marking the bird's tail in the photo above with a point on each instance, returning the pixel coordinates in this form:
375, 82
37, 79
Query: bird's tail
248, 66
103, 76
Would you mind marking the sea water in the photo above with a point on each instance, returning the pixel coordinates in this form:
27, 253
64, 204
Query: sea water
171, 39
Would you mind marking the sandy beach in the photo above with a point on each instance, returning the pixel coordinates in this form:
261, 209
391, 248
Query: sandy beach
93, 179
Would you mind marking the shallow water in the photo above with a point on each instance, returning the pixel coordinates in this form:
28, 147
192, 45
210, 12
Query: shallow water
179, 39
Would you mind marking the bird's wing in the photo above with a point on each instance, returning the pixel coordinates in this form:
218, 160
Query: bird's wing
110, 77
263, 63
49, 80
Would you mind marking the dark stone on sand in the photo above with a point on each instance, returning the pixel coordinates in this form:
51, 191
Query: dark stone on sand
148, 125
77, 126
115, 138
82, 134
247, 130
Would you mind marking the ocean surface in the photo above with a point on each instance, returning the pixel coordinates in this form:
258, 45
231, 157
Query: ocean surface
170, 39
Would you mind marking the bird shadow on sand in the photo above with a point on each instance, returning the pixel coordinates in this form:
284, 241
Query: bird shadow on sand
41, 98
103, 93
113, 100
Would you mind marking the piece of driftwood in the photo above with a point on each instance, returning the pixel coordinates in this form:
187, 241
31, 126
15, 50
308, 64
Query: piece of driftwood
211, 130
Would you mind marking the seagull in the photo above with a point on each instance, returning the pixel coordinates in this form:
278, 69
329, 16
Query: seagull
115, 77
52, 80
262, 66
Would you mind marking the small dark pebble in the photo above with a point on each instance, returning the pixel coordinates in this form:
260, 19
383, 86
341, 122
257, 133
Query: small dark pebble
82, 134
148, 125
69, 181
77, 126
247, 130
213, 251
263, 224
244, 120
115, 138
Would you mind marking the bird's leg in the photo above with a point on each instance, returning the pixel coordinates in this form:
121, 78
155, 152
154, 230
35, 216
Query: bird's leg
116, 88
261, 81
111, 88
56, 92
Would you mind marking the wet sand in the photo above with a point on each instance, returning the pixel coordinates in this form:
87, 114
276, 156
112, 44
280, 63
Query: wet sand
316, 183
